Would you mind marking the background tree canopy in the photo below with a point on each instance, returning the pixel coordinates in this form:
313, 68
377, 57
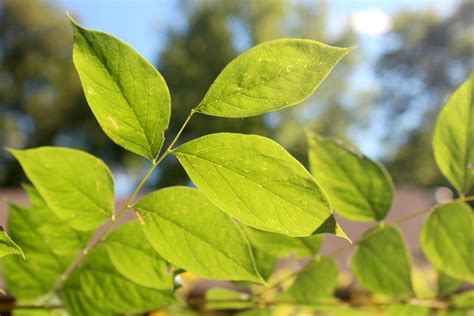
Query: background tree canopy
41, 102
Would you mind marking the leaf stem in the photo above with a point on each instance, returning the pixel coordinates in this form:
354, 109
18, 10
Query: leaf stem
129, 205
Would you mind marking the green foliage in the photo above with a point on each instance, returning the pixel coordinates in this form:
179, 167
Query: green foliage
359, 188
269, 77
193, 234
448, 233
8, 246
453, 141
78, 187
127, 95
381, 263
254, 202
261, 184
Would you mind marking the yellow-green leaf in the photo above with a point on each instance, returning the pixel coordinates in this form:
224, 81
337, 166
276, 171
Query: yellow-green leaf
8, 246
269, 77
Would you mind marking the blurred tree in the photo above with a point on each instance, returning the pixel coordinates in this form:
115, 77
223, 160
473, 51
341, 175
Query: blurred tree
215, 33
428, 58
41, 100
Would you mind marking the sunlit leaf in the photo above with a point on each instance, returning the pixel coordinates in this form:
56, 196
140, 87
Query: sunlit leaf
446, 284
77, 186
8, 246
269, 77
127, 95
449, 233
193, 234
381, 263
359, 188
227, 299
257, 181
453, 141
407, 310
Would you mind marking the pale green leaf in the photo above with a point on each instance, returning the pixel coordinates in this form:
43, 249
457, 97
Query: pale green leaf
98, 286
49, 244
464, 300
449, 233
406, 310
8, 246
227, 299
359, 188
257, 181
281, 246
446, 284
134, 257
381, 263
77, 186
127, 95
316, 283
269, 77
190, 232
453, 141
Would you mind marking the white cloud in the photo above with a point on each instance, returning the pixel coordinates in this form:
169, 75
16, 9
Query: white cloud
371, 22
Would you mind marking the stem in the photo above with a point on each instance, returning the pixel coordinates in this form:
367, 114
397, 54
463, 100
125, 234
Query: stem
101, 237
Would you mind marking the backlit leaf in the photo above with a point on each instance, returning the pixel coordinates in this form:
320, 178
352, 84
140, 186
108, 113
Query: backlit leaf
191, 233
77, 186
127, 95
453, 140
449, 233
381, 263
359, 188
446, 284
8, 246
257, 181
269, 77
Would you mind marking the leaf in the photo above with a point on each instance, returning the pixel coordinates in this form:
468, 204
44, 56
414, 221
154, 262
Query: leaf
50, 247
134, 257
281, 246
191, 233
359, 188
446, 284
464, 300
381, 263
127, 95
78, 187
407, 310
316, 283
269, 77
8, 246
225, 299
453, 140
257, 181
97, 286
448, 233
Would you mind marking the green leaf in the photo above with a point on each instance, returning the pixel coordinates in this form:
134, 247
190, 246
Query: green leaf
359, 188
8, 246
453, 141
134, 257
127, 95
257, 181
269, 77
464, 300
50, 247
448, 233
446, 284
406, 310
225, 299
191, 233
97, 286
78, 187
316, 283
281, 246
381, 263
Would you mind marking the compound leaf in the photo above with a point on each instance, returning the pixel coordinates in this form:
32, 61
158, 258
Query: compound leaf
269, 77
78, 187
127, 95
190, 232
134, 257
359, 188
453, 141
8, 246
316, 282
257, 181
49, 244
381, 263
449, 233
97, 286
